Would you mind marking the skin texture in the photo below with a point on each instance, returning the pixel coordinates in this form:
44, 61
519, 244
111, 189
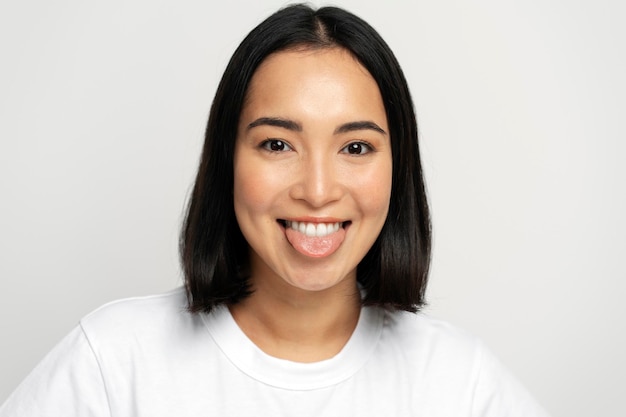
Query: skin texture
312, 145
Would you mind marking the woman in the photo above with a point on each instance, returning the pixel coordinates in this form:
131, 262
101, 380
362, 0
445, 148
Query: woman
305, 250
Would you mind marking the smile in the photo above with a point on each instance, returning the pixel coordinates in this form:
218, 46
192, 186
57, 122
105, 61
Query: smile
313, 229
315, 239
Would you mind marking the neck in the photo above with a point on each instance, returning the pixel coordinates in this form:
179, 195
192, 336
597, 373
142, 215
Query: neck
302, 326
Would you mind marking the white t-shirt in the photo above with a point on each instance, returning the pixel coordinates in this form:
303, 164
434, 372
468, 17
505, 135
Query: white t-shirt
149, 357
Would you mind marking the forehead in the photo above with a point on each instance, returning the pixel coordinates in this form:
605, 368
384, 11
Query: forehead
329, 79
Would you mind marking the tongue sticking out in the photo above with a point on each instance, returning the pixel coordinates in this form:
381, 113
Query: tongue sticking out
315, 247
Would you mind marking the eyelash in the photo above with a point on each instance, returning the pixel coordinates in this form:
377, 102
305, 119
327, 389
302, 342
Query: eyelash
365, 146
267, 145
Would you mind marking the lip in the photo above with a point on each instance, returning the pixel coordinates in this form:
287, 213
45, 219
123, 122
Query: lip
311, 219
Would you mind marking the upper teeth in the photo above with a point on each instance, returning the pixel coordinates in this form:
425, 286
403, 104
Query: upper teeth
314, 229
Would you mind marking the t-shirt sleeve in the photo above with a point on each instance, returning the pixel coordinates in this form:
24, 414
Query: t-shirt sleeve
499, 394
67, 382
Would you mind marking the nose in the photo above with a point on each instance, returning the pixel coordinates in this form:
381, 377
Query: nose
318, 181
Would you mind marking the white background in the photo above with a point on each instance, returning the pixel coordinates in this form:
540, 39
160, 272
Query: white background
521, 110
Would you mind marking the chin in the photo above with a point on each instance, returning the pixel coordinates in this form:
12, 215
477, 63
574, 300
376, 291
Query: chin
315, 284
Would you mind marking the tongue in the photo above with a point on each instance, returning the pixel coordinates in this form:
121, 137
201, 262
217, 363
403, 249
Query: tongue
315, 247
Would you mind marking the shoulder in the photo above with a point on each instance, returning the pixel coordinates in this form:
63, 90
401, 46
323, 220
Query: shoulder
137, 310
420, 331
140, 318
165, 303
425, 349
453, 366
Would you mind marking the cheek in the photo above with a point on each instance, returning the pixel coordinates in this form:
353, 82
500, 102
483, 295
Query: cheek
374, 191
246, 192
247, 197
254, 189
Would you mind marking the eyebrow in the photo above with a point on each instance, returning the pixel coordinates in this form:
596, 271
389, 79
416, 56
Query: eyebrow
360, 125
297, 127
277, 122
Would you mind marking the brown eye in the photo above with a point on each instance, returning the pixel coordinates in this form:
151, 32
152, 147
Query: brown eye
357, 148
275, 145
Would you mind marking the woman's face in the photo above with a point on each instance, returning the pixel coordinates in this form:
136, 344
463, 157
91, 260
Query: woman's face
312, 168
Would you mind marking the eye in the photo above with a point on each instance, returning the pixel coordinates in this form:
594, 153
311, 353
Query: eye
275, 145
357, 148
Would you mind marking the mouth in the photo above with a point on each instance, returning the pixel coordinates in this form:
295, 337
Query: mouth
314, 229
315, 239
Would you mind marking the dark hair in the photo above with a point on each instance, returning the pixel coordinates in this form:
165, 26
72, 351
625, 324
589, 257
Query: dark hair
213, 251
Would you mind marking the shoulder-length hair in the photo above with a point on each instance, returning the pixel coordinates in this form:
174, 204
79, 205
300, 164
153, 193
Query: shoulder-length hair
214, 253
